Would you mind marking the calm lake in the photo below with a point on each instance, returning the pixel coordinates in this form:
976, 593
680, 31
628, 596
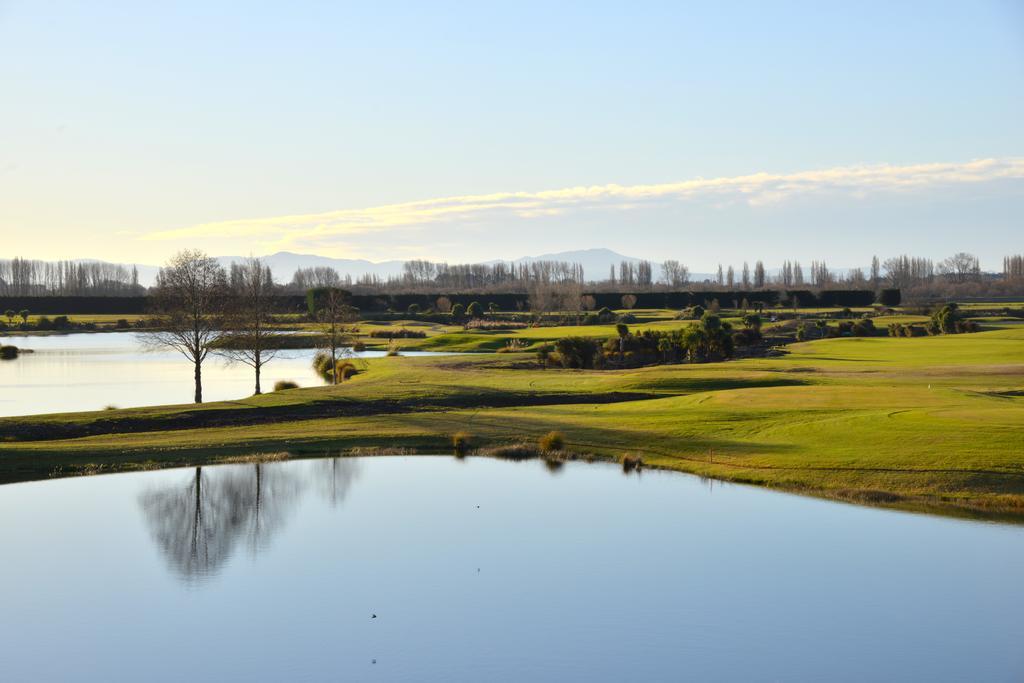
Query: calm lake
76, 372
485, 570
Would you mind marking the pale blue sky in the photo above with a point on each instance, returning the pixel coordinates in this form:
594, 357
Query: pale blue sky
121, 121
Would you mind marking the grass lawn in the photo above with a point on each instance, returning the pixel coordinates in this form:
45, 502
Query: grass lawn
931, 423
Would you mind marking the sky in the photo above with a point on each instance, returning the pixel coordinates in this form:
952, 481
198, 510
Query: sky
705, 132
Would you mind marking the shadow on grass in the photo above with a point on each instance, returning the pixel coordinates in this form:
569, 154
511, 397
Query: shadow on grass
697, 385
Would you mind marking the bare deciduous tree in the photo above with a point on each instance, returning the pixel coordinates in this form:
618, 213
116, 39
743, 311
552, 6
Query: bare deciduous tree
674, 273
250, 338
961, 267
190, 297
315, 277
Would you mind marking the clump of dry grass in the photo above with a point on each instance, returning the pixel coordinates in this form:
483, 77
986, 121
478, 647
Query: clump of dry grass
552, 441
345, 369
461, 442
632, 462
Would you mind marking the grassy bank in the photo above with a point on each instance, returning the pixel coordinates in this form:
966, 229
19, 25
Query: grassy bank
926, 423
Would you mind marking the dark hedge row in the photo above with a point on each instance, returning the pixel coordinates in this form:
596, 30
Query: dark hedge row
671, 300
67, 305
71, 305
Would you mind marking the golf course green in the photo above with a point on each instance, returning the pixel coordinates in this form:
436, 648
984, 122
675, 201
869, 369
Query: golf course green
929, 423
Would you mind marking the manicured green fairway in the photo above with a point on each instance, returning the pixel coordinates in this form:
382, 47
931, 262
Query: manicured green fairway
928, 423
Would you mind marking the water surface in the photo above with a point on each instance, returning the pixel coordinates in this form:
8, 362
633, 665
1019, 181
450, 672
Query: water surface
483, 570
90, 371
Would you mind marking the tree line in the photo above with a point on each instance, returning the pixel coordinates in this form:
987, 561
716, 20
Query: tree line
917, 276
898, 272
26, 277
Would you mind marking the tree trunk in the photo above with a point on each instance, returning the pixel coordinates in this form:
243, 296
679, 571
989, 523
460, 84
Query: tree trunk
199, 382
196, 519
257, 366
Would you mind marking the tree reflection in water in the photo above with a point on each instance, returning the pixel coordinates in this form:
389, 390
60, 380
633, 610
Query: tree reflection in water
198, 525
334, 477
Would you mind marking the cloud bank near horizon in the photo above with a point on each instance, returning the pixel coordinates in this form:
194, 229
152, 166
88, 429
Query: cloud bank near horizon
754, 190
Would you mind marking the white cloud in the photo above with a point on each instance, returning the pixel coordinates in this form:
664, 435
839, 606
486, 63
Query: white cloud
757, 189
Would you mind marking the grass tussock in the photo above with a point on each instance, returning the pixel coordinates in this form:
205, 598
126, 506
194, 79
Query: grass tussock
551, 442
461, 442
345, 369
632, 462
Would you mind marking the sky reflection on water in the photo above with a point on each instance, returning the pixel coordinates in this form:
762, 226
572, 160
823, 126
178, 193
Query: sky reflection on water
489, 570
77, 372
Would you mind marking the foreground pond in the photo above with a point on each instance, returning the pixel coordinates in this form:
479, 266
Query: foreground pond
75, 372
484, 570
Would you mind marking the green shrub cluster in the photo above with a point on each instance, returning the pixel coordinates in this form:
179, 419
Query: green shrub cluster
577, 352
711, 339
852, 328
899, 330
949, 319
